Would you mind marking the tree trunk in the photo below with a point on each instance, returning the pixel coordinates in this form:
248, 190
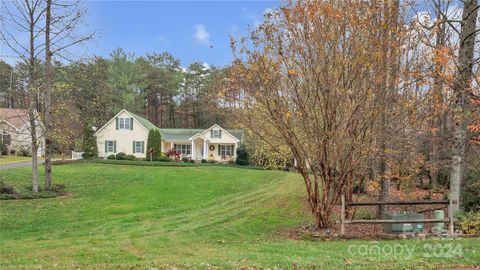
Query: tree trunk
437, 101
47, 97
461, 88
384, 182
434, 156
33, 135
389, 84
32, 96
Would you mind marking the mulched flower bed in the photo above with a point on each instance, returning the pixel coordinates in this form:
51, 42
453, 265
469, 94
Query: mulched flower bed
8, 192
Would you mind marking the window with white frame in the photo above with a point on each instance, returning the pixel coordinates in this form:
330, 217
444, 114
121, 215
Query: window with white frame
124, 123
138, 147
183, 149
226, 150
216, 133
110, 147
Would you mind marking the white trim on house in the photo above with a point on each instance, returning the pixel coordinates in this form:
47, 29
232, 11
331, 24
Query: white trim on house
197, 136
116, 115
10, 124
224, 130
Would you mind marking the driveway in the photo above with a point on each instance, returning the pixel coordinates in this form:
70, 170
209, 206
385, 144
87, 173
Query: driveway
18, 165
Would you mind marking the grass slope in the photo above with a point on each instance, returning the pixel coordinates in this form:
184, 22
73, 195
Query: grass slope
132, 217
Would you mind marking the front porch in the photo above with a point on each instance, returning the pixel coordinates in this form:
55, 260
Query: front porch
200, 147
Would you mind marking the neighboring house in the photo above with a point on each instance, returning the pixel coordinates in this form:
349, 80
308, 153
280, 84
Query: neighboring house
15, 131
128, 133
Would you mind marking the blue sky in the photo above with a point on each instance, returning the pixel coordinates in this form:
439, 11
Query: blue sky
184, 28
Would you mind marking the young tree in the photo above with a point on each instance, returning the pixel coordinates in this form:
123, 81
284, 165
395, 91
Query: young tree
89, 142
25, 17
61, 23
56, 23
154, 144
243, 157
48, 96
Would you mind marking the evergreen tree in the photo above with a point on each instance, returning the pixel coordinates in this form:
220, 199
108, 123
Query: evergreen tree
243, 157
154, 144
89, 143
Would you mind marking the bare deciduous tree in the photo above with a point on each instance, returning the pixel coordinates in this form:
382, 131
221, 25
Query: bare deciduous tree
56, 22
61, 32
462, 90
24, 18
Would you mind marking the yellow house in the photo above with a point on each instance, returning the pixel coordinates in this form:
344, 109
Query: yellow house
127, 132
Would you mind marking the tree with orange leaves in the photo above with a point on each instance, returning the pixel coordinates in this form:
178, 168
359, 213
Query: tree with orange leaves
306, 79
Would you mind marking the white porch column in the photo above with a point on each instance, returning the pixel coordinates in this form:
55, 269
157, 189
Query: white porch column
204, 149
192, 152
235, 151
171, 145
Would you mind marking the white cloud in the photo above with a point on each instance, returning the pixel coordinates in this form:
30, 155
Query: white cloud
201, 34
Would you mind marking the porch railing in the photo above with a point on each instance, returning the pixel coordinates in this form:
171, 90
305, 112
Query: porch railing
77, 155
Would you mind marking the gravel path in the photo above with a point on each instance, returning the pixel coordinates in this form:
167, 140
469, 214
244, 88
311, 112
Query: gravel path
18, 165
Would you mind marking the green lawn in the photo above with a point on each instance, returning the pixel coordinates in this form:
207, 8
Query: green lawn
133, 217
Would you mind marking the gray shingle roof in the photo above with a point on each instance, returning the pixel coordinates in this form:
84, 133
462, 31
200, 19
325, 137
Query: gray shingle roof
143, 121
187, 133
238, 133
182, 134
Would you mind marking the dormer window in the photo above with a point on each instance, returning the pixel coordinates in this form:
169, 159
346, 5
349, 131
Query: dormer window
216, 134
